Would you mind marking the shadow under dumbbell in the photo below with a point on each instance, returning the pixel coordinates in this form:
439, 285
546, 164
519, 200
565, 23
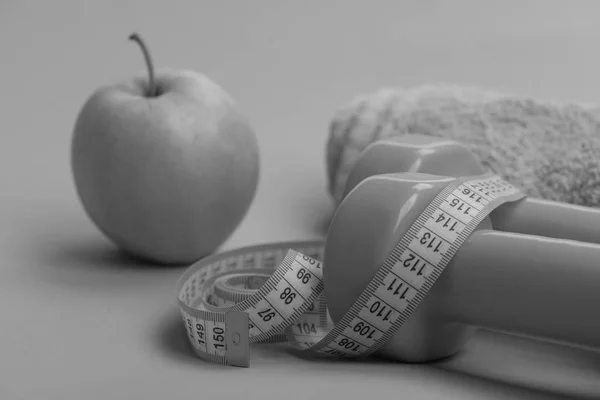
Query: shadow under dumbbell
529, 364
498, 362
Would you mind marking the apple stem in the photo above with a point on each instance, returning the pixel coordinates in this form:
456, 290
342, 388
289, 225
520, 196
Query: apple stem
151, 86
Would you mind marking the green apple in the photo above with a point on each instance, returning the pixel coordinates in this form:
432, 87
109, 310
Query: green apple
164, 164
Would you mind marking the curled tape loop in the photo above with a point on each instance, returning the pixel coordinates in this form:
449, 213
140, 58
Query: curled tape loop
274, 292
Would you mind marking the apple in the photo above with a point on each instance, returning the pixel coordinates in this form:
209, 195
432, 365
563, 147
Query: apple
164, 164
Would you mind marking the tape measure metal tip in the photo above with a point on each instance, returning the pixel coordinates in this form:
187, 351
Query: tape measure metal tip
237, 339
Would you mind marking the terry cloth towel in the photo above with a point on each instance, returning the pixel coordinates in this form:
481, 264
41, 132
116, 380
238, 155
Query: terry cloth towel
549, 149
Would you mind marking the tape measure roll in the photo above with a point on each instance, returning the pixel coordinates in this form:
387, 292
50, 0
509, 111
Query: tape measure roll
274, 292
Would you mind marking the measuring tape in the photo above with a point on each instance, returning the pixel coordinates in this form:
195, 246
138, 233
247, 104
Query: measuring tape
274, 292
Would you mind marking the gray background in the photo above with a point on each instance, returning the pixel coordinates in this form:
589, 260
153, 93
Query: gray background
80, 321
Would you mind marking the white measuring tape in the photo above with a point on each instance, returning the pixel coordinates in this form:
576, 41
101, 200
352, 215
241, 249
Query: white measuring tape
274, 292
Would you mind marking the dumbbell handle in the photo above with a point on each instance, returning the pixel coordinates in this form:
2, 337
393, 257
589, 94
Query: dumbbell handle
531, 215
548, 218
528, 285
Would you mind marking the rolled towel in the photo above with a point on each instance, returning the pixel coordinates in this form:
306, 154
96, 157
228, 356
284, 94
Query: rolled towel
549, 149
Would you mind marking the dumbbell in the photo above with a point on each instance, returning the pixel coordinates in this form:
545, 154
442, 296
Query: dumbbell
513, 282
426, 154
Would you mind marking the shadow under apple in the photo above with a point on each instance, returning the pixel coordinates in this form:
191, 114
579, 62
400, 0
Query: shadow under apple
66, 255
99, 253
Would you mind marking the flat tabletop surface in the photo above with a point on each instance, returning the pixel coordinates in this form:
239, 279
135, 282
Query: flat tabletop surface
79, 320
